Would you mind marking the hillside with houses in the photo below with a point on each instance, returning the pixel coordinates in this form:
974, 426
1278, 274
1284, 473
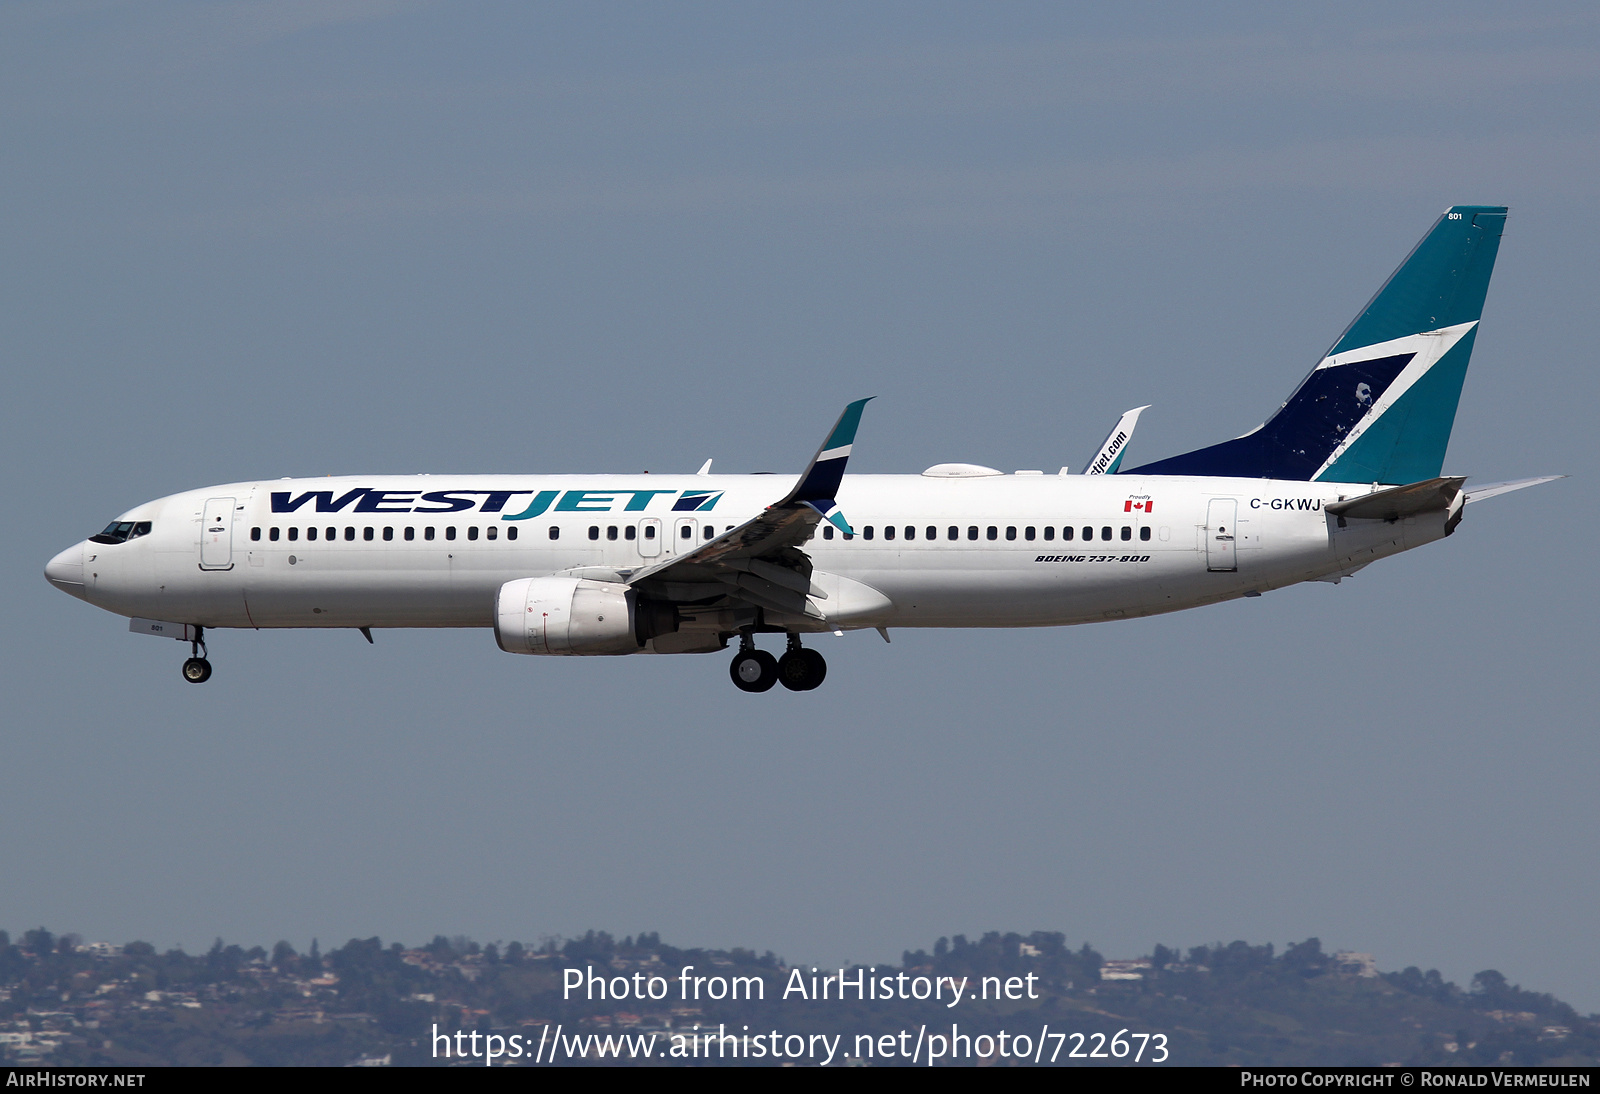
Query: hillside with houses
65, 1001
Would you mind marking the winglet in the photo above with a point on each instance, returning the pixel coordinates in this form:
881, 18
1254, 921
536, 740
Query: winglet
1115, 446
820, 481
826, 470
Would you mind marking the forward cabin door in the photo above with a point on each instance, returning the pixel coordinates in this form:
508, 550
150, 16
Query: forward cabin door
1221, 541
216, 535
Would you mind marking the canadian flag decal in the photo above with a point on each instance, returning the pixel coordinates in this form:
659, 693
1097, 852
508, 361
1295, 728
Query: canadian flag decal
1139, 505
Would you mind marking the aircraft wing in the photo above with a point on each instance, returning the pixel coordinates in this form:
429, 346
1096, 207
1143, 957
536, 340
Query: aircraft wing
759, 561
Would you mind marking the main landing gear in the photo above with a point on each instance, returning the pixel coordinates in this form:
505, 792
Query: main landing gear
799, 669
197, 670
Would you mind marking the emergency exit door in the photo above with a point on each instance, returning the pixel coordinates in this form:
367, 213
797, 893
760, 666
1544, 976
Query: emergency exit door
216, 535
649, 537
1221, 535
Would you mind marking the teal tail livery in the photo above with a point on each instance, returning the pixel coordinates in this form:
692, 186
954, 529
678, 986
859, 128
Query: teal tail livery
1380, 404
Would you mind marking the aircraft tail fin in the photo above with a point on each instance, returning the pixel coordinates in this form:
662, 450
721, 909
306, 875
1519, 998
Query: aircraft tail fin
1380, 405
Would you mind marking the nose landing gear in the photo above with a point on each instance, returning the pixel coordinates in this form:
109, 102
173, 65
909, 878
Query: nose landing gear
197, 670
799, 669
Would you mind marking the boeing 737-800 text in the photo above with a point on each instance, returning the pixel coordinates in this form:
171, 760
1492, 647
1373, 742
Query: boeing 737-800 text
1347, 471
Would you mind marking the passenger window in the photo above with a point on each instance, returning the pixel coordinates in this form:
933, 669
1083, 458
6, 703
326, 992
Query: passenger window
555, 533
1144, 534
294, 534
427, 533
954, 533
333, 533
491, 532
311, 533
411, 533
1049, 533
1105, 532
255, 535
511, 533
649, 531
594, 531
349, 533
1027, 533
611, 531
1127, 533
1011, 531
272, 534
911, 532
866, 533
629, 532
888, 531
711, 531
994, 533
388, 534
686, 532
367, 533
1088, 533
933, 533
972, 531
827, 531
1067, 532
450, 532
472, 532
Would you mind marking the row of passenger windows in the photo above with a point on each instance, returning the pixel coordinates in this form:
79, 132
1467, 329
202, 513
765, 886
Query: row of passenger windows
628, 531
371, 533
686, 531
993, 531
410, 533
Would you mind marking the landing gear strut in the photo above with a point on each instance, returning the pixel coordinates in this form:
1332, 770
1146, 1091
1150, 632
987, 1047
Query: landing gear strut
197, 670
799, 669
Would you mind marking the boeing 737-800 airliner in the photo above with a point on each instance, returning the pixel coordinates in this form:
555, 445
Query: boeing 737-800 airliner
1347, 471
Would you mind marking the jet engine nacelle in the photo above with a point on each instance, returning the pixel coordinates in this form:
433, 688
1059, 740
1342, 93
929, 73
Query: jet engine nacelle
574, 615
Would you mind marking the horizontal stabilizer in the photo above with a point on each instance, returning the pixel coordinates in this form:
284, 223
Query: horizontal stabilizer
1428, 496
1493, 489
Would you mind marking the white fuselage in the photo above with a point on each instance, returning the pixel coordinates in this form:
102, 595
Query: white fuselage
432, 551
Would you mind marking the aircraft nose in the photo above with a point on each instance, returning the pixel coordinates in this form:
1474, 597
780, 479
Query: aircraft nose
65, 571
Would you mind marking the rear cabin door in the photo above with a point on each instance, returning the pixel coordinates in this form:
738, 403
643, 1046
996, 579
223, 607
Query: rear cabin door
216, 535
1221, 541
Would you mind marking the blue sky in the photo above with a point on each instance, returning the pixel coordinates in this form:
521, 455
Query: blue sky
268, 239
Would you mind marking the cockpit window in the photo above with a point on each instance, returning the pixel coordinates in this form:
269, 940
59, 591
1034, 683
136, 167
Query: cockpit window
122, 531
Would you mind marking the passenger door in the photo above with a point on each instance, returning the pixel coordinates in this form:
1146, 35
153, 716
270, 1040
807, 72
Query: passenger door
1221, 535
216, 535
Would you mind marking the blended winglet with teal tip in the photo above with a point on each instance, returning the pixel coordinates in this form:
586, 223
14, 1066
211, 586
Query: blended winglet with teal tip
1380, 405
820, 481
